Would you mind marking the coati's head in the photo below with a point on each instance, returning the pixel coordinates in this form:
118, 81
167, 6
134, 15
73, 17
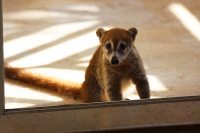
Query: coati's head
116, 43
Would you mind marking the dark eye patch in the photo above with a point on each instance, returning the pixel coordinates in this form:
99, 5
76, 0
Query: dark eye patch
108, 45
122, 46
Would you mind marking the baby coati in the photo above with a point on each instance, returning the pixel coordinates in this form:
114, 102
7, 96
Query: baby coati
114, 67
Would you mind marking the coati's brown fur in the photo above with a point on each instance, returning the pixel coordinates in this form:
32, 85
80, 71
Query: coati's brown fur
115, 64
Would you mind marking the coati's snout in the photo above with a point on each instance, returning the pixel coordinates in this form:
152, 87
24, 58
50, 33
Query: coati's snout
116, 43
114, 60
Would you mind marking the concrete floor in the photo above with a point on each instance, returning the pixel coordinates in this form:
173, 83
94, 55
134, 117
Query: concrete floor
58, 38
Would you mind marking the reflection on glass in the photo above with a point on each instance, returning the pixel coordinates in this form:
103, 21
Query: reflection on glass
59, 40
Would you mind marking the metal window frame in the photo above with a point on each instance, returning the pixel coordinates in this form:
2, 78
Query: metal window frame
101, 105
2, 96
4, 111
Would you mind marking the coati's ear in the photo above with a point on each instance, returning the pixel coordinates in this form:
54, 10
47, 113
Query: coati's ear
100, 32
132, 32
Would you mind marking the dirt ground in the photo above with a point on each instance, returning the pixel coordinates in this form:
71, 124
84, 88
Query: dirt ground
58, 38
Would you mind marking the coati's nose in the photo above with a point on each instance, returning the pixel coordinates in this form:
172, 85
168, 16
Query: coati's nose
114, 60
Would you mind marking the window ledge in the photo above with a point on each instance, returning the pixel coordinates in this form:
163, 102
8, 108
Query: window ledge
123, 115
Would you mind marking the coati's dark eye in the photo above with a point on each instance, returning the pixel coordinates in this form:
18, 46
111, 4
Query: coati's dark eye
108, 45
123, 46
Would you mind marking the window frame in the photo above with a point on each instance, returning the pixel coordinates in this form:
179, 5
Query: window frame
2, 95
101, 105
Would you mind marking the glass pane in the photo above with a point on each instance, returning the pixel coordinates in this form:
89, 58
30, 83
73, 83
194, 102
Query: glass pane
58, 39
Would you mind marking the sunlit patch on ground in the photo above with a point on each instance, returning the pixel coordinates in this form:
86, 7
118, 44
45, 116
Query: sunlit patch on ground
188, 20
